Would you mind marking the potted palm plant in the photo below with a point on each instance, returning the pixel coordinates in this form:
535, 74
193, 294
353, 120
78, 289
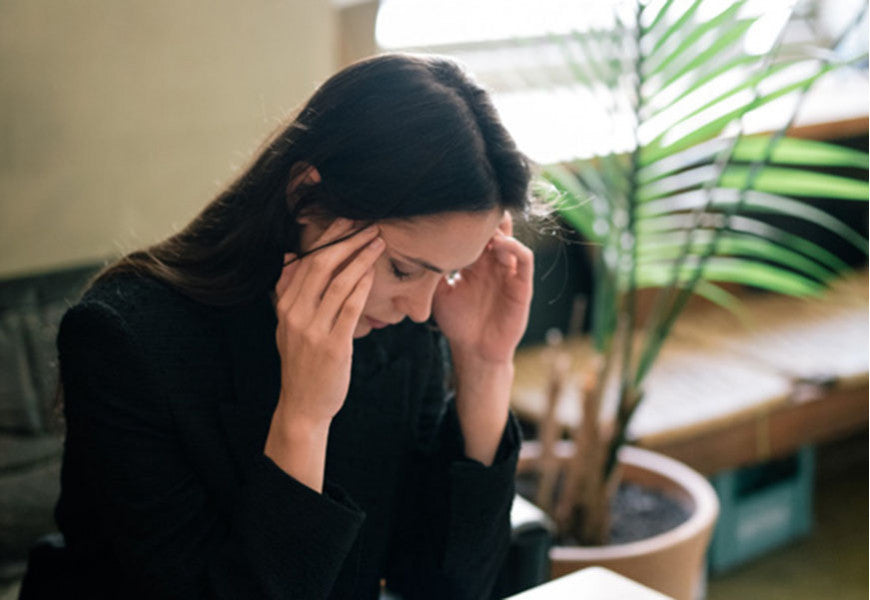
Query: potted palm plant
683, 212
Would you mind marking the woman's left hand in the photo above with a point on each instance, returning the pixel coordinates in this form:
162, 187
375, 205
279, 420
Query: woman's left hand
484, 314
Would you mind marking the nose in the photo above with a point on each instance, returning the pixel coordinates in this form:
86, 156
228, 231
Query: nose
417, 302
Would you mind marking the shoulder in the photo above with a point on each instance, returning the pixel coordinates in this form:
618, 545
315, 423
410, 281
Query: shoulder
138, 313
143, 301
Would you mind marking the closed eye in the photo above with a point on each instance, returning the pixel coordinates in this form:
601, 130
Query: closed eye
399, 273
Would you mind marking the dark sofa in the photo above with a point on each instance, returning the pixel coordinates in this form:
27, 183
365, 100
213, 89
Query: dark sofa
31, 431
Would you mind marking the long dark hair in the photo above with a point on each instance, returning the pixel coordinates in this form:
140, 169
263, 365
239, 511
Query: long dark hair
391, 136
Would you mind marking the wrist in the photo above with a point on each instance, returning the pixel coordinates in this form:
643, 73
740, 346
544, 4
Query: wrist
477, 364
483, 378
482, 403
294, 415
481, 357
299, 425
297, 444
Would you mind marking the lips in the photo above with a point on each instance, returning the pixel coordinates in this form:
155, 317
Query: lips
375, 323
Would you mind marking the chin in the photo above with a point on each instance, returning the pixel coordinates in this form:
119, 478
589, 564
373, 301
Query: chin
362, 329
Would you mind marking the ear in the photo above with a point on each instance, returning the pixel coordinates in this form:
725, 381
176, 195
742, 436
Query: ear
306, 217
506, 225
302, 174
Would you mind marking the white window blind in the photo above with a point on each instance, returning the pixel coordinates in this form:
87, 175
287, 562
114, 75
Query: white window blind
530, 53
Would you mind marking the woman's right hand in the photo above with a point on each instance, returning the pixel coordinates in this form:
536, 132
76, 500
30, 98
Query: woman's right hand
320, 299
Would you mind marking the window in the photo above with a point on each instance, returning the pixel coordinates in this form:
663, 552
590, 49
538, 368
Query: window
530, 54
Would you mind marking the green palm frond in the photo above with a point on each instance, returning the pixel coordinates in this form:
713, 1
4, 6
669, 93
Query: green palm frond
687, 210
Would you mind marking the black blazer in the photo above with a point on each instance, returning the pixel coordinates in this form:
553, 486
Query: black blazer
166, 492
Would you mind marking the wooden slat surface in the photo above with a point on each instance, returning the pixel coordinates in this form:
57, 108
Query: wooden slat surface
777, 433
723, 394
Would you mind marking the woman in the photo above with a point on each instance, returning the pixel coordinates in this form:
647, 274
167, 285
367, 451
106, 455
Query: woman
256, 407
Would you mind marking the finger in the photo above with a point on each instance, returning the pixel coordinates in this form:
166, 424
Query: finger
506, 225
335, 230
514, 255
326, 264
345, 282
298, 269
286, 275
502, 252
316, 269
338, 228
351, 310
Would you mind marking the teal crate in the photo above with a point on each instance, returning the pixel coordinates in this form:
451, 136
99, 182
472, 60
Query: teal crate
762, 508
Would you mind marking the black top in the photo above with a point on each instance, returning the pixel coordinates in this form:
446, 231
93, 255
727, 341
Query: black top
166, 492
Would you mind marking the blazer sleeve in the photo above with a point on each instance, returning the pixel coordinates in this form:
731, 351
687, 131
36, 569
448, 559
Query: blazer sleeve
453, 528
280, 540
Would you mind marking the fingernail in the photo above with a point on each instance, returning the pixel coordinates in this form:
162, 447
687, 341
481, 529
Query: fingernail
377, 243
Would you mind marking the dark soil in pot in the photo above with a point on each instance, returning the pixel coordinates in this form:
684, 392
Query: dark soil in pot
637, 512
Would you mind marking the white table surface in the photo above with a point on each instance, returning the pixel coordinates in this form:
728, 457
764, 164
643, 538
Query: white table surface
592, 583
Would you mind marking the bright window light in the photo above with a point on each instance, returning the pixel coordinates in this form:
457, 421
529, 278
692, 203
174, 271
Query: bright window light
528, 54
415, 23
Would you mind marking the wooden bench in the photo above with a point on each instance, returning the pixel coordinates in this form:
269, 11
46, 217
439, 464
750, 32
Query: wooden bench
725, 394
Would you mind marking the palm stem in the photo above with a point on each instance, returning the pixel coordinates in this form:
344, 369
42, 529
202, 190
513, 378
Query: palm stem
627, 396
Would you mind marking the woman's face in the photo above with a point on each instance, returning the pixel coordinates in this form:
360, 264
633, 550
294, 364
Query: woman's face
419, 253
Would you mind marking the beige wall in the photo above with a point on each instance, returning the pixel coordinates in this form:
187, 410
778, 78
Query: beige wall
356, 27
121, 119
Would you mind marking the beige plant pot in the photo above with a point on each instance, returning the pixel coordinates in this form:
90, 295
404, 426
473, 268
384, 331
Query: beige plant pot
672, 562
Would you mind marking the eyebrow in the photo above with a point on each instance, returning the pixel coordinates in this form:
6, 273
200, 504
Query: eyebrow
421, 262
